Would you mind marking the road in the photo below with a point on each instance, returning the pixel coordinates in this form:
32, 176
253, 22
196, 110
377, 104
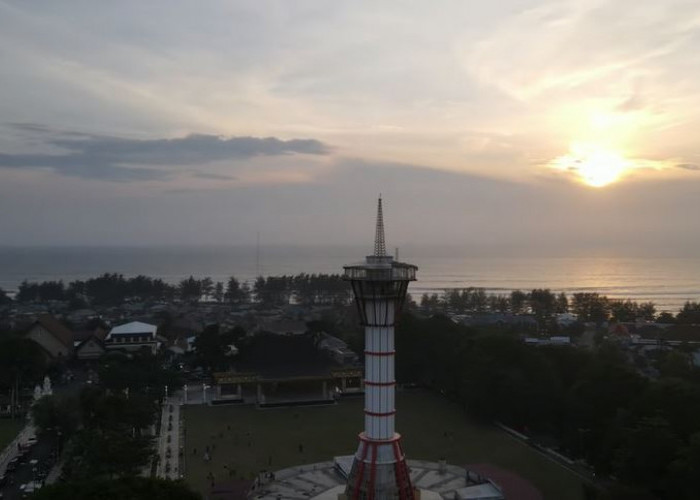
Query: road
44, 452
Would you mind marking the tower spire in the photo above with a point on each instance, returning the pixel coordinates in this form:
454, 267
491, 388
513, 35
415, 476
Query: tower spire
379, 242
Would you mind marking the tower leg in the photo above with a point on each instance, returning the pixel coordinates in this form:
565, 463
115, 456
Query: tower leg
379, 472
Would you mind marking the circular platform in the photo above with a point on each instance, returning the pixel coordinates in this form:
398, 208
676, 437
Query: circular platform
326, 480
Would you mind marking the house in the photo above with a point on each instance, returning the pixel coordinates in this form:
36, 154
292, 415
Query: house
55, 338
90, 345
565, 319
284, 327
133, 336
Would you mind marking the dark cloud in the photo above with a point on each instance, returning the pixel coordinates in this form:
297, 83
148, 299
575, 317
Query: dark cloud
31, 127
39, 129
688, 166
76, 166
216, 177
109, 158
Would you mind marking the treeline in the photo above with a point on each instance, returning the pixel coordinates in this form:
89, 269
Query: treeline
593, 403
544, 304
309, 289
113, 289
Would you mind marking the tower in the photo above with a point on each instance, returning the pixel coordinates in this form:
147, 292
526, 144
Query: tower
379, 470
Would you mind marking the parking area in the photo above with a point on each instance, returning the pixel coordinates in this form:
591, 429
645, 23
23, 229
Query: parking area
28, 469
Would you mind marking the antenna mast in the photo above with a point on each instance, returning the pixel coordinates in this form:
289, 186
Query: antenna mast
379, 242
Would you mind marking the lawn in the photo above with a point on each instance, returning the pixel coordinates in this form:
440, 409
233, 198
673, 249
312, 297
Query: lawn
246, 440
9, 428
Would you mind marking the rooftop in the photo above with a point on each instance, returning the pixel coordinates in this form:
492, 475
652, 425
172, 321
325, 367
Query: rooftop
133, 328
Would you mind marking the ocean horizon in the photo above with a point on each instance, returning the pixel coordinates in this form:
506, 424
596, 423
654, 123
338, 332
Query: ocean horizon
667, 281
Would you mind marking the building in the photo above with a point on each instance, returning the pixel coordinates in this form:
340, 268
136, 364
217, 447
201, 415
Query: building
379, 284
379, 469
54, 338
133, 336
286, 370
89, 344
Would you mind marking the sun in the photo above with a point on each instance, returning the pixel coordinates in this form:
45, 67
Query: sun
593, 165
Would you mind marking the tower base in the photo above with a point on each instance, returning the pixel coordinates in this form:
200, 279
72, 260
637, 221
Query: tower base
379, 471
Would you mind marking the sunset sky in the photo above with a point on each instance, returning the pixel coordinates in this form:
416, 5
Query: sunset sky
507, 126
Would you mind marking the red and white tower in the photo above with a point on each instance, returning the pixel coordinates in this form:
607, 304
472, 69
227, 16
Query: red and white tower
379, 471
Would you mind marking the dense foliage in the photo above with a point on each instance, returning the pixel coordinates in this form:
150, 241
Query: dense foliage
106, 430
133, 488
103, 432
22, 364
594, 404
212, 347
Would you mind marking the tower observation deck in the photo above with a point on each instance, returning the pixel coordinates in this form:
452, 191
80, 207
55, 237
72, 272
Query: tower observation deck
379, 470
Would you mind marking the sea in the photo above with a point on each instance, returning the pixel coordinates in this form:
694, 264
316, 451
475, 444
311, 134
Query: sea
668, 282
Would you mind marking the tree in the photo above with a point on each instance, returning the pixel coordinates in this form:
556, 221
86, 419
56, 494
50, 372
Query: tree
561, 304
645, 453
623, 310
211, 346
4, 299
542, 303
689, 314
675, 364
207, 286
683, 471
219, 292
499, 303
590, 307
666, 318
106, 454
27, 292
133, 488
430, 301
190, 289
517, 301
107, 411
233, 291
55, 414
140, 373
111, 442
22, 364
647, 311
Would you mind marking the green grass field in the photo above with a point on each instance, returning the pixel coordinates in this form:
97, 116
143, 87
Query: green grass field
9, 428
324, 432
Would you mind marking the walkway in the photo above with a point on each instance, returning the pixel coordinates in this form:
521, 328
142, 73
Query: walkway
169, 440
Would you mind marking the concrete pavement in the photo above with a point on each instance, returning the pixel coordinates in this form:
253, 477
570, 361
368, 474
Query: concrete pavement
169, 440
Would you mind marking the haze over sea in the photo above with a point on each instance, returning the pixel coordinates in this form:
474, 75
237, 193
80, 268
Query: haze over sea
668, 282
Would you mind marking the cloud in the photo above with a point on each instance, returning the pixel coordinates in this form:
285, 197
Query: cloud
216, 177
688, 166
125, 159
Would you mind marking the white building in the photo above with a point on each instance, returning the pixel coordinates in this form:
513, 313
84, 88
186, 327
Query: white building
133, 336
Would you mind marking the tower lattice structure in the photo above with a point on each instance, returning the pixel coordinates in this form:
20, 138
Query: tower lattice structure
379, 470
